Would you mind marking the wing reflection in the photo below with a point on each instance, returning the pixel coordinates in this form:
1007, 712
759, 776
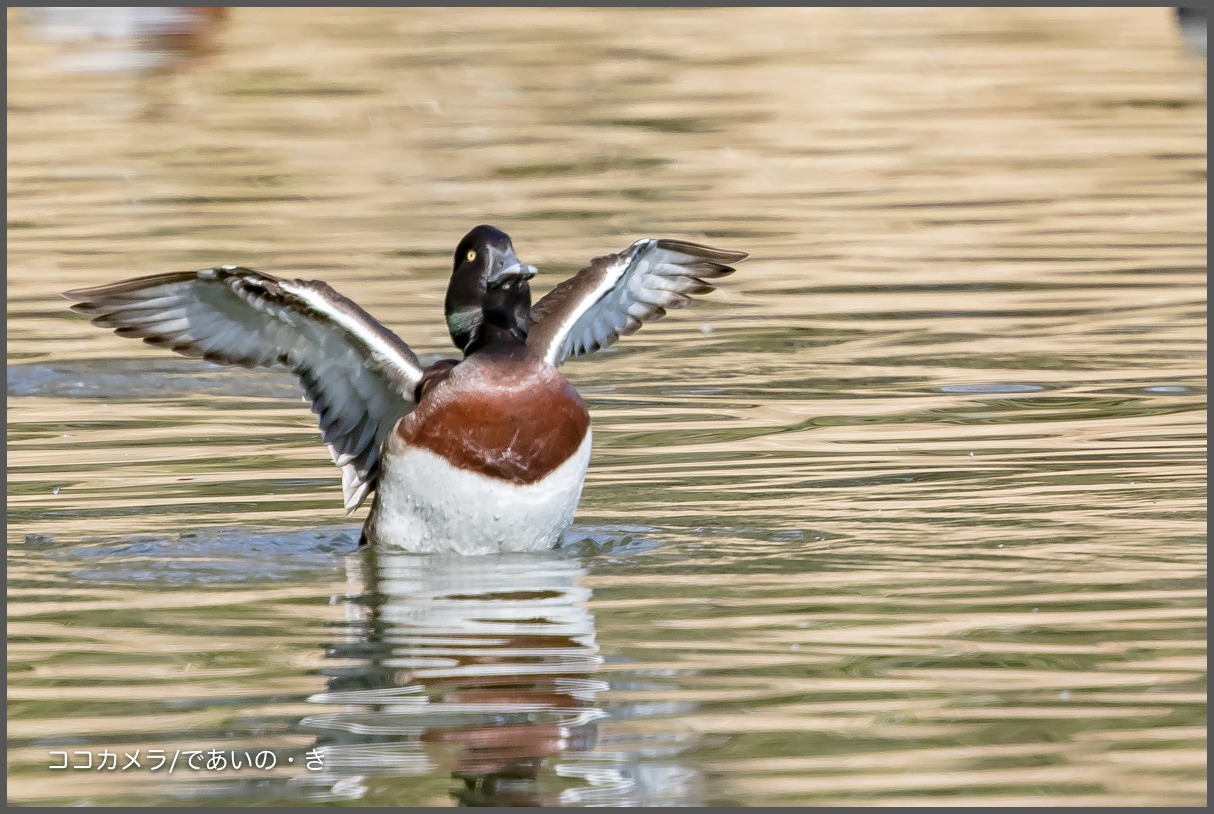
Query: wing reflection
480, 668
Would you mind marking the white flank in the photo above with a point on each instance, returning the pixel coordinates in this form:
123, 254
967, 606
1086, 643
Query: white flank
609, 281
424, 504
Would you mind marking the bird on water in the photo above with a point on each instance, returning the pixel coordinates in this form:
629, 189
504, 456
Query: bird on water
475, 455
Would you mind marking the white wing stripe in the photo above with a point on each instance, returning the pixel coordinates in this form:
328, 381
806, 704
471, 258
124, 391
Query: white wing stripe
618, 293
555, 349
358, 376
380, 349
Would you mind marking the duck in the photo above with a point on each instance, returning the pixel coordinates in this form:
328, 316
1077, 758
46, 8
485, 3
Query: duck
476, 455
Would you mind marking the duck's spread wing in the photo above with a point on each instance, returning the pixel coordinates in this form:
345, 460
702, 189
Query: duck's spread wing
358, 375
616, 294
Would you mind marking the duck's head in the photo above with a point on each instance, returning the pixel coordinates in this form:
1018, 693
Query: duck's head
488, 288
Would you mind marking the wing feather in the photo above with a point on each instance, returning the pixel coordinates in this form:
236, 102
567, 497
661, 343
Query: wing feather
358, 375
618, 293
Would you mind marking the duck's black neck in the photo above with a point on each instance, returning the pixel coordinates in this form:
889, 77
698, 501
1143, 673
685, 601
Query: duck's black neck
495, 334
500, 329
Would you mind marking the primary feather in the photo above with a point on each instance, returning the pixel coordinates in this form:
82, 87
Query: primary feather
358, 375
617, 293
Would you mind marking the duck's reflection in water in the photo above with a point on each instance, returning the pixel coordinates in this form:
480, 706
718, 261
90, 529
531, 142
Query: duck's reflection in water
477, 668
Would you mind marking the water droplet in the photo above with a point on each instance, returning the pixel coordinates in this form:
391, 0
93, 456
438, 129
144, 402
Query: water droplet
971, 455
55, 491
999, 546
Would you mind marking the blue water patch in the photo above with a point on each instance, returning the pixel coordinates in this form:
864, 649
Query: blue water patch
146, 378
211, 556
992, 388
150, 378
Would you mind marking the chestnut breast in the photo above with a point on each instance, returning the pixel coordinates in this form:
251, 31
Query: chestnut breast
506, 415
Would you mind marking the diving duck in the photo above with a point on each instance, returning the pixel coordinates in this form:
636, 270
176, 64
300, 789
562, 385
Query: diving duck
477, 455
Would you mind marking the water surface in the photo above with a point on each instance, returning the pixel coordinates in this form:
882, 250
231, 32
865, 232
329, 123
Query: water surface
910, 511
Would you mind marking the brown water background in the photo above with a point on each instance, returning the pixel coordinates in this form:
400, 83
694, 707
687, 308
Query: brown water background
911, 511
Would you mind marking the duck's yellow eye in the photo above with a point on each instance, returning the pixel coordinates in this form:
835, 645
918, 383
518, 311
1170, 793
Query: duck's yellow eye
471, 255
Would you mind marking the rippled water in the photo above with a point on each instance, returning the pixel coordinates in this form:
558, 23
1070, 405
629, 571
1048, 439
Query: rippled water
911, 511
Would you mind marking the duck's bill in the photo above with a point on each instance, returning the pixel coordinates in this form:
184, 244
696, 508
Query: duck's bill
515, 271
